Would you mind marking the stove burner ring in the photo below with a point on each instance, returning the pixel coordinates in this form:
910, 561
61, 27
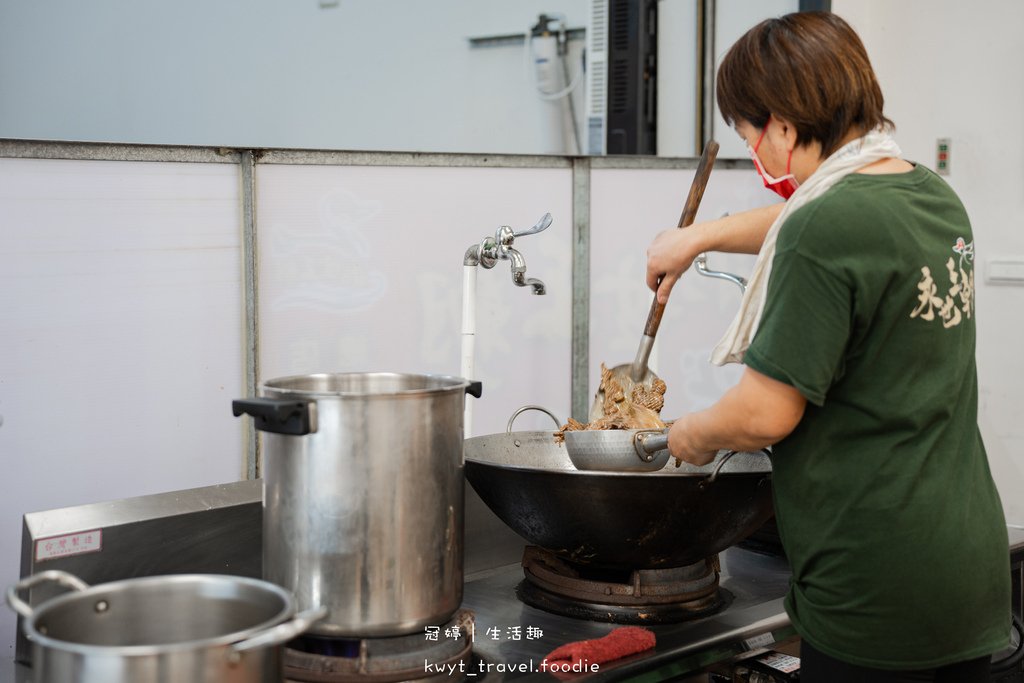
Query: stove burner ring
382, 660
641, 596
621, 614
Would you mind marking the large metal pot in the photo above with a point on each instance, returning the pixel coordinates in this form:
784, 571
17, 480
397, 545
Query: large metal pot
192, 628
618, 520
363, 496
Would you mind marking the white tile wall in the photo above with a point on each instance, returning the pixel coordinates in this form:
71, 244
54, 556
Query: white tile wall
120, 335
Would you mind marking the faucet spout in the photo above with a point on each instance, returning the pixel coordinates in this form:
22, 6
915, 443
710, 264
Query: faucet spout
520, 280
519, 272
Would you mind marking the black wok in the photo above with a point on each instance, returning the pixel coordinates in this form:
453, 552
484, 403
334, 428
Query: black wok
617, 520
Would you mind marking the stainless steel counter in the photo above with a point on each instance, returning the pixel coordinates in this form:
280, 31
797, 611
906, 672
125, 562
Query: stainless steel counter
755, 583
754, 617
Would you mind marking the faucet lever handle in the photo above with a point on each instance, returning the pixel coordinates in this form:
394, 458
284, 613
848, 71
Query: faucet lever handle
543, 224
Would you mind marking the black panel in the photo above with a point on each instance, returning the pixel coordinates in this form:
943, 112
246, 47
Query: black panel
632, 63
815, 5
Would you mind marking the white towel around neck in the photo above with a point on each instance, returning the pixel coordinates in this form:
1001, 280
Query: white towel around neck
874, 146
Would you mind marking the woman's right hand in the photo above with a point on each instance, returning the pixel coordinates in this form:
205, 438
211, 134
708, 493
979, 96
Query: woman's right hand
672, 251
669, 256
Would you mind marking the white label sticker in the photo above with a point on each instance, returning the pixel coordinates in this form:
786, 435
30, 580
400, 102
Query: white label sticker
780, 662
66, 546
762, 640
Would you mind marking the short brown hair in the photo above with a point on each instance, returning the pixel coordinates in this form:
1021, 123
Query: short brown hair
809, 68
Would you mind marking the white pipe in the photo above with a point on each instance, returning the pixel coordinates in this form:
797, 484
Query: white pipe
466, 368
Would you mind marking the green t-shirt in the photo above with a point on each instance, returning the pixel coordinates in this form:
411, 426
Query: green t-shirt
884, 500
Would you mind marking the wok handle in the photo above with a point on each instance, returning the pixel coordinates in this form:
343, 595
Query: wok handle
280, 416
520, 411
63, 578
282, 633
721, 463
700, 182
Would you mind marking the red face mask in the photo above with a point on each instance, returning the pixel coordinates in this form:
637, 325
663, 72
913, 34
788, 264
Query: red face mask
784, 186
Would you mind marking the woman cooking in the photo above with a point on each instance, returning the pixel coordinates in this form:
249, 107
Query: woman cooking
858, 336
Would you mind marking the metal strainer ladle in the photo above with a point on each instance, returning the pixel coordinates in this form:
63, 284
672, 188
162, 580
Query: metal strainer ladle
618, 450
637, 372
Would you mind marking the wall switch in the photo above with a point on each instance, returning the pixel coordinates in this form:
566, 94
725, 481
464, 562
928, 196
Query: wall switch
942, 156
1005, 272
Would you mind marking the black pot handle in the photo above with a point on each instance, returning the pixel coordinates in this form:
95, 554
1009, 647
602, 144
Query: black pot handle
276, 415
475, 389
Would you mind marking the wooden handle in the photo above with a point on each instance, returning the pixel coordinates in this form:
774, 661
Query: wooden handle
700, 181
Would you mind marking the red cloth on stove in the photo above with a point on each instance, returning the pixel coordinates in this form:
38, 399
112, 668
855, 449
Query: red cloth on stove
622, 642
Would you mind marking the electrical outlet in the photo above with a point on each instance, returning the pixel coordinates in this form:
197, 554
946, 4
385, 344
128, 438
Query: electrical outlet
942, 148
1005, 271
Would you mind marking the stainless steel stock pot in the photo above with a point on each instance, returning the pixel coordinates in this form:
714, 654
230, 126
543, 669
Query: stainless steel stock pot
363, 496
189, 628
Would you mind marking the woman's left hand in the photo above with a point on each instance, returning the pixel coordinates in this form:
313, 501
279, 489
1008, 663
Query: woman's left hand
681, 446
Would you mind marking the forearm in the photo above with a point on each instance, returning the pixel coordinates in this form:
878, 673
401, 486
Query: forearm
672, 251
741, 233
757, 412
729, 425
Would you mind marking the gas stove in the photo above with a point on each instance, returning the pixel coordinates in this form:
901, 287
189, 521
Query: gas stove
433, 656
752, 616
216, 529
499, 635
503, 632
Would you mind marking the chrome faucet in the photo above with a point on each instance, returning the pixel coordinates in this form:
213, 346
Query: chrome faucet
499, 248
487, 254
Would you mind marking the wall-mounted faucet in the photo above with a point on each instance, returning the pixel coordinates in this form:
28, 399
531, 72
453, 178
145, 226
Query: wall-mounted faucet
487, 254
499, 248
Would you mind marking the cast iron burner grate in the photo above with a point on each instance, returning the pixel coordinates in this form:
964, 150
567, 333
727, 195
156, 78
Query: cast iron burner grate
643, 596
314, 659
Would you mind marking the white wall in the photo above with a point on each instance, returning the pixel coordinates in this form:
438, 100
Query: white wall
952, 69
361, 270
369, 74
120, 336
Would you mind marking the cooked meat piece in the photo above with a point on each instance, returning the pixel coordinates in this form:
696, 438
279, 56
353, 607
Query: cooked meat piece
626, 405
571, 426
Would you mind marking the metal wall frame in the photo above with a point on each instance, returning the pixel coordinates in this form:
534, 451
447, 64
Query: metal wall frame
249, 161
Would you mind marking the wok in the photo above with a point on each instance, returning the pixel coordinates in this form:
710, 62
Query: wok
617, 520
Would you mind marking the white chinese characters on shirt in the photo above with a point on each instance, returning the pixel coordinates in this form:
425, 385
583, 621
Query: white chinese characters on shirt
958, 301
